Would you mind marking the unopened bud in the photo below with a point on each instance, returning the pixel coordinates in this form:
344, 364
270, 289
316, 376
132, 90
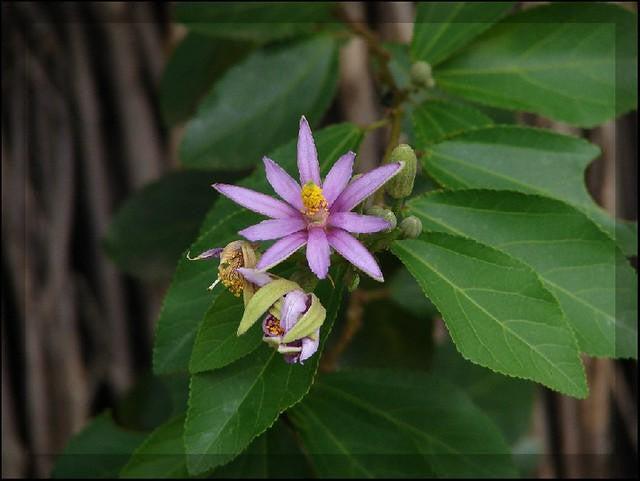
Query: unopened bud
421, 75
411, 227
386, 214
401, 185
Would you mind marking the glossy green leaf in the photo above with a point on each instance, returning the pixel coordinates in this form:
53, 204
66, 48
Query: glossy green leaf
383, 423
257, 104
436, 120
572, 61
229, 407
154, 226
442, 28
161, 455
533, 161
254, 21
192, 69
274, 454
100, 450
576, 261
188, 298
217, 343
507, 401
497, 311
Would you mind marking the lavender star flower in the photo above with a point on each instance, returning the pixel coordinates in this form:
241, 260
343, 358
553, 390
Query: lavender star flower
314, 213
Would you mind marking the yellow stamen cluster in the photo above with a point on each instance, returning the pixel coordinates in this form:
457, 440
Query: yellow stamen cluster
312, 199
272, 325
230, 260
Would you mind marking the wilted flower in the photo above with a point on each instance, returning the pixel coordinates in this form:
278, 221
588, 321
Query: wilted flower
292, 322
233, 256
314, 213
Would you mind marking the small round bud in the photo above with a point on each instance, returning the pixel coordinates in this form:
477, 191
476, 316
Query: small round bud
411, 227
386, 214
401, 185
421, 75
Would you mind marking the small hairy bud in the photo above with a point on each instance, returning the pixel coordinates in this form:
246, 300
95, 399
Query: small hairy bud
386, 214
411, 227
421, 75
401, 185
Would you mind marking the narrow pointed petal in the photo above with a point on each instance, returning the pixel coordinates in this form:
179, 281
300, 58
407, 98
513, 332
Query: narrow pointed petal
283, 184
364, 186
307, 155
338, 177
357, 223
273, 229
257, 202
318, 252
309, 347
295, 303
352, 250
255, 276
281, 250
208, 254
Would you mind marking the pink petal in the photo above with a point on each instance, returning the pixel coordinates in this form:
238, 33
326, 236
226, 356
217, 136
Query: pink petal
254, 276
338, 177
352, 250
282, 183
307, 155
257, 202
364, 186
357, 223
273, 229
281, 250
295, 303
318, 252
208, 254
309, 347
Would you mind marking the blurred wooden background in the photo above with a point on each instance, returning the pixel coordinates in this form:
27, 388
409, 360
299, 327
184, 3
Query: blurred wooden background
81, 131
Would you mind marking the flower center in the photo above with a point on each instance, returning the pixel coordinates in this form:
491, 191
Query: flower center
315, 205
273, 327
227, 271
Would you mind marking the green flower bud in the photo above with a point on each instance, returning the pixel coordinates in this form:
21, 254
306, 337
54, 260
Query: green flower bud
386, 214
401, 185
421, 75
411, 227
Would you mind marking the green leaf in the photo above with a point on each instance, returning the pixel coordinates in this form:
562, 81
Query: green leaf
498, 313
578, 263
442, 28
507, 401
161, 455
436, 120
533, 161
229, 407
217, 343
98, 451
274, 454
574, 62
192, 69
253, 21
154, 226
257, 104
383, 423
188, 298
